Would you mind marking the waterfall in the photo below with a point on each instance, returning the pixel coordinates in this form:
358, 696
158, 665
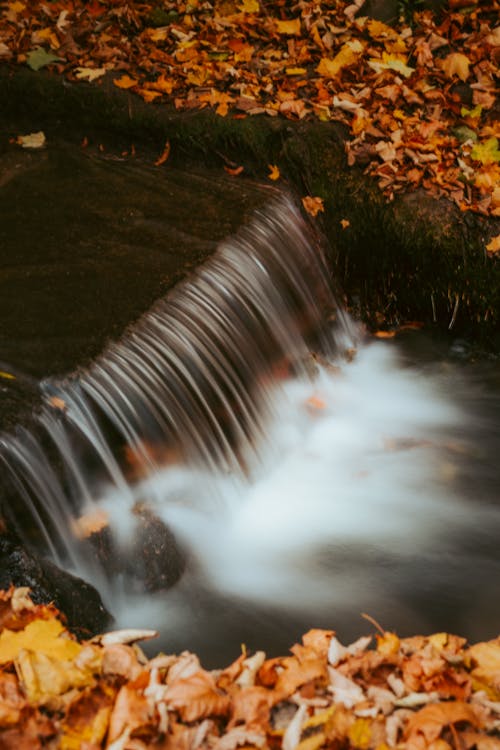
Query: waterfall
189, 388
246, 420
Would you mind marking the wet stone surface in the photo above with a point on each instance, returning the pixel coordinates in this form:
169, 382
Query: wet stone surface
88, 243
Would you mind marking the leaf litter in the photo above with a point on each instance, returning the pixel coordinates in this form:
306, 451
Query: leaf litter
418, 99
421, 693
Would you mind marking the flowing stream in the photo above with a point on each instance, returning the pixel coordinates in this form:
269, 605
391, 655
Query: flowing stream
307, 472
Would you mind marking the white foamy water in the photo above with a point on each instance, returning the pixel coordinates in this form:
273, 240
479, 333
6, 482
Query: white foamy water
303, 488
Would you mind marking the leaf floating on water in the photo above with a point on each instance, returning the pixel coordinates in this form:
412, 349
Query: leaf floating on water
32, 140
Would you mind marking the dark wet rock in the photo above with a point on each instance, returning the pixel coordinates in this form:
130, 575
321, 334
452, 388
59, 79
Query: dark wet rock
80, 602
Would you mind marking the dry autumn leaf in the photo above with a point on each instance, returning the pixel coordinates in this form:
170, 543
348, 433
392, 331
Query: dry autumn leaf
456, 64
274, 172
32, 140
291, 28
164, 155
313, 206
493, 246
125, 82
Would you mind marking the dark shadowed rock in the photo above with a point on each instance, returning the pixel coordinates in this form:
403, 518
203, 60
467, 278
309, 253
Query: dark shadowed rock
80, 602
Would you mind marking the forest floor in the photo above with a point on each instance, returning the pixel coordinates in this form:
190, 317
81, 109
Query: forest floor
381, 692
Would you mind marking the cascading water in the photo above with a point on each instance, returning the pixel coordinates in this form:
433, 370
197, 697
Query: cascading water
291, 479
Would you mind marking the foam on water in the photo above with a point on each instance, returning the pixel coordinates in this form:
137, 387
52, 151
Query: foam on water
316, 485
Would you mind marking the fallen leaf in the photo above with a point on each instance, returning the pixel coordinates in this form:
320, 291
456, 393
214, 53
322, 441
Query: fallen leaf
32, 140
494, 245
43, 636
125, 82
348, 55
164, 155
274, 173
89, 74
487, 152
456, 64
313, 206
39, 58
345, 223
7, 375
197, 697
233, 171
291, 28
432, 719
249, 6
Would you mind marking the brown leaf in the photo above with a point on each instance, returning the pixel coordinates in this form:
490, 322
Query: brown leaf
432, 719
197, 697
130, 712
456, 64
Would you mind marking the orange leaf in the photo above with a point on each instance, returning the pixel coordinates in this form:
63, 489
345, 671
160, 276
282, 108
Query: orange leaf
164, 155
456, 64
197, 697
313, 205
125, 82
431, 720
234, 172
274, 173
494, 246
148, 95
345, 223
384, 334
288, 27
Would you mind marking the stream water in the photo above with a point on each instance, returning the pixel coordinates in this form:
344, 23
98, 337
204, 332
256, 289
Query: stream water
309, 473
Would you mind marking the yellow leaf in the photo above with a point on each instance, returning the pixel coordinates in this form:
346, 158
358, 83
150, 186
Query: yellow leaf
91, 734
295, 71
439, 640
249, 6
347, 55
43, 636
7, 375
125, 82
16, 7
158, 35
314, 742
288, 27
313, 205
274, 173
32, 140
345, 223
494, 246
487, 152
43, 676
377, 29
388, 644
391, 62
456, 64
360, 734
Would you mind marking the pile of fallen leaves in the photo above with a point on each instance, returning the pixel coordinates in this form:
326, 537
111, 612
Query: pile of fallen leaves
423, 692
419, 100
